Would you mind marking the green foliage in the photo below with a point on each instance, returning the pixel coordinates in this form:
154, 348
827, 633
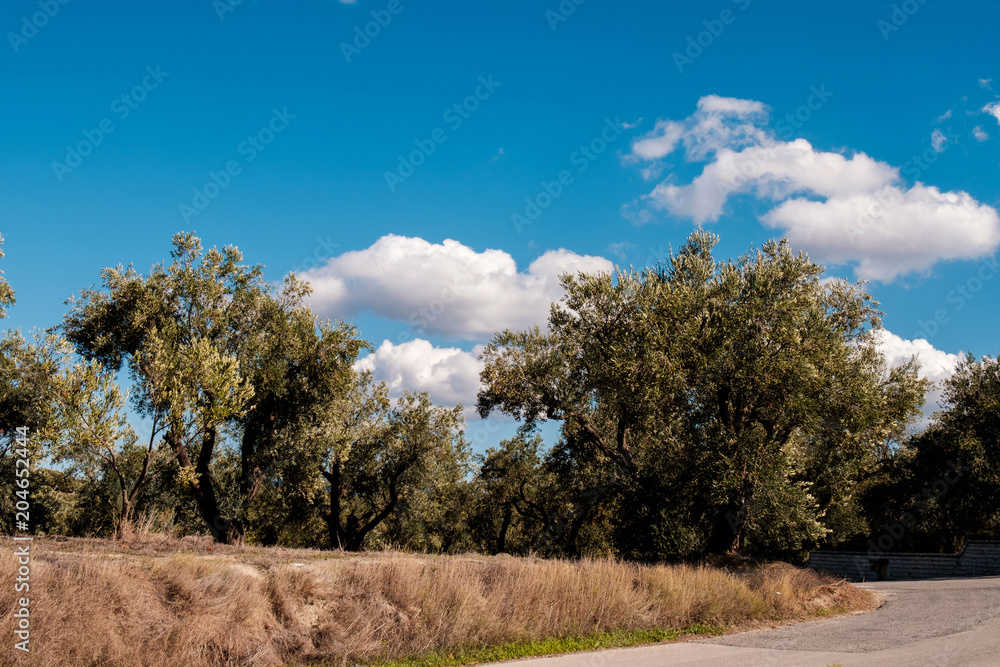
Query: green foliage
556, 646
699, 397
26, 372
217, 357
510, 480
404, 452
91, 433
706, 406
6, 291
65, 504
258, 415
944, 484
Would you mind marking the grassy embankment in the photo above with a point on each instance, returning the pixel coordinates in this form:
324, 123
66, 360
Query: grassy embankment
156, 600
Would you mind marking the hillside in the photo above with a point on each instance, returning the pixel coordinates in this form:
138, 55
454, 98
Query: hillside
157, 600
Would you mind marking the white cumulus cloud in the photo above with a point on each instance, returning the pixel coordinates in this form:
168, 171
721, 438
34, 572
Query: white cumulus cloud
773, 171
842, 208
719, 122
891, 231
938, 140
445, 288
993, 109
449, 374
935, 365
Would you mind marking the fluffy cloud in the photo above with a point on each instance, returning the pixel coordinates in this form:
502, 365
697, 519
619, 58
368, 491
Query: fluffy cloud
980, 134
660, 142
447, 289
993, 110
935, 365
774, 171
938, 140
900, 230
719, 122
843, 209
449, 374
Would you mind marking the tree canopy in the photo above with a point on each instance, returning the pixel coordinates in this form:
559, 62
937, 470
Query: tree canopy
698, 394
704, 406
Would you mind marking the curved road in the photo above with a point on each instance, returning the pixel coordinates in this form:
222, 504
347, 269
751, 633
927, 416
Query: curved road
939, 622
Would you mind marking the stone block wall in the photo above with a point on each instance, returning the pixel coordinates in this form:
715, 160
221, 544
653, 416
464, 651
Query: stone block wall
979, 559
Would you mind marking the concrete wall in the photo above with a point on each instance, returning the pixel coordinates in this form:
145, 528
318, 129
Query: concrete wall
979, 559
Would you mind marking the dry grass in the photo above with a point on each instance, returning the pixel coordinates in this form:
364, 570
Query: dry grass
162, 601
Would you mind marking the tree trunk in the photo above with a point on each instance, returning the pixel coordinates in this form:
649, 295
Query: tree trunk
504, 526
126, 511
357, 529
333, 476
246, 458
204, 491
354, 535
125, 519
727, 528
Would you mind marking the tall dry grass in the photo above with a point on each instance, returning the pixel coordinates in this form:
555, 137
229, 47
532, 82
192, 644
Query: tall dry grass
174, 602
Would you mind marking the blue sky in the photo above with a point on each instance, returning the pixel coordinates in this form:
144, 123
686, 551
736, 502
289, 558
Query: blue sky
669, 95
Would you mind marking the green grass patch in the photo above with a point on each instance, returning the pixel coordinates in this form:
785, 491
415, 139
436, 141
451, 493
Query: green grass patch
513, 651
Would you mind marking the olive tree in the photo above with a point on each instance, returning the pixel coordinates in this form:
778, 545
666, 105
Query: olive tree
705, 389
219, 357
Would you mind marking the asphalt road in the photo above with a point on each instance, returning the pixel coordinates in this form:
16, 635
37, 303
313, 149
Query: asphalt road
937, 623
